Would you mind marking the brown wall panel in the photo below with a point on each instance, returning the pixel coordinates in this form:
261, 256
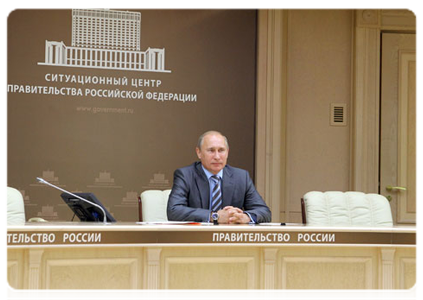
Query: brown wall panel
81, 131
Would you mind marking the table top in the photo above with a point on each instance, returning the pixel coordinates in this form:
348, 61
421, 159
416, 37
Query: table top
195, 226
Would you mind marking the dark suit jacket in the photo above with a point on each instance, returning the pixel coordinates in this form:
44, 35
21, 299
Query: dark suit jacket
189, 199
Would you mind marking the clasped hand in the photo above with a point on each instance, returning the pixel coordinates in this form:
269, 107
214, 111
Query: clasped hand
233, 215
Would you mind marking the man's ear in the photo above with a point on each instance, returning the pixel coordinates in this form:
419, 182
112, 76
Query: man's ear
198, 152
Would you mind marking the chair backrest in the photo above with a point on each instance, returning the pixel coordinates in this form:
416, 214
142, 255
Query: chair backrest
346, 209
303, 213
15, 207
154, 205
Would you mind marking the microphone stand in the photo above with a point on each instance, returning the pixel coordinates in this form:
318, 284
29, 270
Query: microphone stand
40, 180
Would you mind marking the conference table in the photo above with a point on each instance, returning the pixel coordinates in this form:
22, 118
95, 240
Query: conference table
173, 255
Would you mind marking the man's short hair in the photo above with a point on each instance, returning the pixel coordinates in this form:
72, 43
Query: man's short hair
201, 138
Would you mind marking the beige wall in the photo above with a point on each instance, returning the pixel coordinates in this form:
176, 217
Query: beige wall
304, 65
318, 73
307, 60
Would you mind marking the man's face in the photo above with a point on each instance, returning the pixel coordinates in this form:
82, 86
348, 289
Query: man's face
213, 153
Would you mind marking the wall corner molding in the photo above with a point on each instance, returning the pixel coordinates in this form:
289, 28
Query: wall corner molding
270, 268
365, 120
34, 258
367, 18
153, 259
386, 277
271, 108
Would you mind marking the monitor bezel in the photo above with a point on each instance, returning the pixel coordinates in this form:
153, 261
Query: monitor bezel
83, 210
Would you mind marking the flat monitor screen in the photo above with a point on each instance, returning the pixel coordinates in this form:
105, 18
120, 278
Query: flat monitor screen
86, 212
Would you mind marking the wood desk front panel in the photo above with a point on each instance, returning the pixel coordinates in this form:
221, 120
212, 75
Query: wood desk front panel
211, 266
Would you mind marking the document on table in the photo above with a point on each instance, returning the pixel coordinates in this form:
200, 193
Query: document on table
173, 223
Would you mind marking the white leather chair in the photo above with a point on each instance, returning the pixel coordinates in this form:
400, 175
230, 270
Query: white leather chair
154, 205
15, 207
346, 209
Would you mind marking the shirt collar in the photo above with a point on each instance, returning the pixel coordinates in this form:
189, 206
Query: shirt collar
208, 174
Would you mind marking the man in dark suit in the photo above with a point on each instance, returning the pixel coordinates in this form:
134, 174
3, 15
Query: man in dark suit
212, 191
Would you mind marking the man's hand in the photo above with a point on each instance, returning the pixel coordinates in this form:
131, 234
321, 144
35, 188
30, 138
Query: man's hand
233, 215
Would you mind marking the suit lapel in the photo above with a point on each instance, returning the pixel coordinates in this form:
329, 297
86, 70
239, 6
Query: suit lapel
227, 186
203, 186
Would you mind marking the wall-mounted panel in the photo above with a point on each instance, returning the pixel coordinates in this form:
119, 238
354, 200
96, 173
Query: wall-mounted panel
110, 273
216, 268
13, 273
209, 273
408, 272
406, 265
326, 273
15, 268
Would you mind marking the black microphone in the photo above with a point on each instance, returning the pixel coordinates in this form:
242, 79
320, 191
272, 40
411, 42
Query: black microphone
40, 180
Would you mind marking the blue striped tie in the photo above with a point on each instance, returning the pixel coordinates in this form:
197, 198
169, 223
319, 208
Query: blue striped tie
216, 203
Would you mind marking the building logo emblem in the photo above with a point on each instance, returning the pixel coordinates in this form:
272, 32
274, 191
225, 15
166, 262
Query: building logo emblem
104, 180
130, 200
105, 39
47, 212
158, 182
49, 176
